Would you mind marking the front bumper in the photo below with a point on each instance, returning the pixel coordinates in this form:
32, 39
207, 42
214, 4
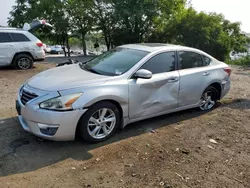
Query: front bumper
31, 118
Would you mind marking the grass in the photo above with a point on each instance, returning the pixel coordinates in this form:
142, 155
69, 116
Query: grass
244, 61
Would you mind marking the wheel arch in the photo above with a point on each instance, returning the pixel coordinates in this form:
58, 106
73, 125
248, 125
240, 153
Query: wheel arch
218, 87
116, 103
19, 53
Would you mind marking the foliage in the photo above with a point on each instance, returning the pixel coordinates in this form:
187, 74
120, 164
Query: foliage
241, 61
208, 32
131, 21
80, 17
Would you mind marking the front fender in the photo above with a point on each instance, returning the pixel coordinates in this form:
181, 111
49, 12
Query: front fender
118, 93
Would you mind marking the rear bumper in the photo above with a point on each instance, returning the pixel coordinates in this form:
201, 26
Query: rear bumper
39, 56
225, 87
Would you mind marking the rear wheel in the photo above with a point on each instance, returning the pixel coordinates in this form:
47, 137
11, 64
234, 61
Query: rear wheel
99, 122
209, 98
23, 61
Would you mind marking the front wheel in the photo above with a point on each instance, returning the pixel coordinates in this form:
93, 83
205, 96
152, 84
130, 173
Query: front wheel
209, 99
99, 122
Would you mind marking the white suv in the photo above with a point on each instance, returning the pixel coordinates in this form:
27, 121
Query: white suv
20, 48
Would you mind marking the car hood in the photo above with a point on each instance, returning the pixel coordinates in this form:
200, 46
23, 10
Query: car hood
65, 77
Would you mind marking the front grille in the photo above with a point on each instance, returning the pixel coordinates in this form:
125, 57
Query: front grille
27, 96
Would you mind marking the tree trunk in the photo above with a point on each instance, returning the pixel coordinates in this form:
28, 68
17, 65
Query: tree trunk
63, 47
84, 44
67, 45
107, 42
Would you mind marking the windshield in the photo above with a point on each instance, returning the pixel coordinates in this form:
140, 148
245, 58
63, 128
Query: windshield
115, 62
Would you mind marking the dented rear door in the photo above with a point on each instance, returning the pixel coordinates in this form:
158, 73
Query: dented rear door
158, 94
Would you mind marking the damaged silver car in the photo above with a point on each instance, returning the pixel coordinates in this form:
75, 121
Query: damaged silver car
124, 85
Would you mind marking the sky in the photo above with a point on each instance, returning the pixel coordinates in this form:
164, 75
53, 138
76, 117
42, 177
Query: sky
5, 8
232, 10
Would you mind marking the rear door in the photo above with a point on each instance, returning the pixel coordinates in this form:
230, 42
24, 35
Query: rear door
7, 48
194, 77
21, 41
158, 94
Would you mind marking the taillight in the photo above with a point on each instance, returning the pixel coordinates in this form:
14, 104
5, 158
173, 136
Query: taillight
39, 44
228, 71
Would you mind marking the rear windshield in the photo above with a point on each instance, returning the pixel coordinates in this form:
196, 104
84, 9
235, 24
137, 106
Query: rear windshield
115, 62
31, 36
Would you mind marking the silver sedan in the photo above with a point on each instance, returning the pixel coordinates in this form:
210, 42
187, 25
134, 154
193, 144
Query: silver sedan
127, 84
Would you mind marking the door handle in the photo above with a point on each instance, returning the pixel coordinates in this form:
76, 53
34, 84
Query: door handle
173, 79
206, 73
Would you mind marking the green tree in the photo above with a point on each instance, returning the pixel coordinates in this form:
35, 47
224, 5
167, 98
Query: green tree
135, 20
208, 32
80, 18
51, 10
18, 14
103, 14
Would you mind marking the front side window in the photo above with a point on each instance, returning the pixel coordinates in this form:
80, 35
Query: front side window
115, 62
190, 60
5, 37
19, 37
164, 62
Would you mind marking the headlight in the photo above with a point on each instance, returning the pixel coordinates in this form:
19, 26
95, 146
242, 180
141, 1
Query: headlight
60, 103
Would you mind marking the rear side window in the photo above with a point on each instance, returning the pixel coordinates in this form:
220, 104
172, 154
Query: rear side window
190, 60
164, 62
5, 37
19, 37
207, 60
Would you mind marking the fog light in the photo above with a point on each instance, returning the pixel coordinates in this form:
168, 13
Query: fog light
45, 126
48, 129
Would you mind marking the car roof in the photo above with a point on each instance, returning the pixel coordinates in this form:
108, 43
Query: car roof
11, 29
151, 47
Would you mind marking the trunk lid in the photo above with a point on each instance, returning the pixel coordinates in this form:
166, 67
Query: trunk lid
35, 24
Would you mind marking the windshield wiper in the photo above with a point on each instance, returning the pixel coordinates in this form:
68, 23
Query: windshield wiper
90, 70
94, 71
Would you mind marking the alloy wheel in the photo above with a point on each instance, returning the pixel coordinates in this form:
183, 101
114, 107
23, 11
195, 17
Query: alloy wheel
207, 101
101, 123
24, 63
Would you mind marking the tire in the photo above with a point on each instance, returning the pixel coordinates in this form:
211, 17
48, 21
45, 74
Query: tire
209, 99
92, 122
23, 61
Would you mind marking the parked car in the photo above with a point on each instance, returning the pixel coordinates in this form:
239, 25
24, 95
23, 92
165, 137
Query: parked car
20, 48
57, 49
46, 48
124, 85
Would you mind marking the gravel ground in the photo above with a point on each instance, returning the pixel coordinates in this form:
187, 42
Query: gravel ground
185, 149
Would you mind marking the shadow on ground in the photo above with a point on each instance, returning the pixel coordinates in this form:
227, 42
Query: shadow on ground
22, 152
241, 104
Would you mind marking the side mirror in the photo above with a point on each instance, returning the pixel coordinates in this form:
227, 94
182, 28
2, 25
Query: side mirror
143, 73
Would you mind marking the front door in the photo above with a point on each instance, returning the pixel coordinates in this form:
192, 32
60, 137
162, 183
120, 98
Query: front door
6, 48
158, 94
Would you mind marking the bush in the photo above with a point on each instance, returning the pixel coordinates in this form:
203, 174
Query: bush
241, 61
